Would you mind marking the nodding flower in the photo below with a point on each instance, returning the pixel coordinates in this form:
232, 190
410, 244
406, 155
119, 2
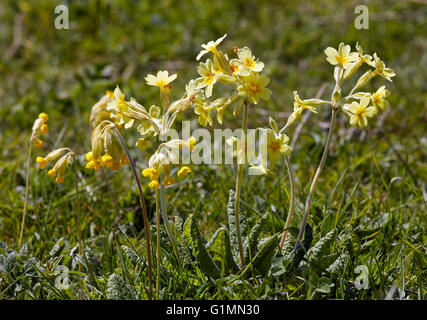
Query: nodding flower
161, 161
107, 150
39, 127
61, 165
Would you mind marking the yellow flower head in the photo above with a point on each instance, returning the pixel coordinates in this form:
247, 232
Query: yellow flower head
384, 72
154, 184
93, 165
254, 87
60, 166
360, 112
182, 173
208, 77
203, 111
151, 173
379, 98
210, 47
161, 80
42, 162
245, 63
106, 148
52, 173
44, 117
343, 57
39, 127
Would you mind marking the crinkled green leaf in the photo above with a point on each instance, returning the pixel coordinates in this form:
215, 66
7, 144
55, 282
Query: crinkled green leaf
339, 264
195, 241
262, 260
232, 224
322, 248
256, 231
220, 249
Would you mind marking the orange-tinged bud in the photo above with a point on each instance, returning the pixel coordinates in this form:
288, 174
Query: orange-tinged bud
52, 173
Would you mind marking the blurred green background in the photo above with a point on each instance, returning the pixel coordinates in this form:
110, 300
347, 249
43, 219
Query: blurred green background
109, 43
64, 72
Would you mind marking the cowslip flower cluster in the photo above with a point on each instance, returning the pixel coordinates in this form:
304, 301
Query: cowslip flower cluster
166, 155
243, 73
356, 105
39, 128
61, 165
107, 150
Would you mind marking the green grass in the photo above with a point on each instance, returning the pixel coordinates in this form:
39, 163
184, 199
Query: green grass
372, 189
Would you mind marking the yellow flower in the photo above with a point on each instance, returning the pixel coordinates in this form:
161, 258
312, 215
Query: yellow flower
151, 173
92, 165
309, 104
154, 184
182, 173
161, 79
245, 63
254, 87
44, 129
208, 77
361, 112
42, 162
343, 57
89, 156
203, 111
50, 157
107, 160
210, 47
168, 180
384, 72
378, 98
52, 173
60, 166
39, 128
43, 116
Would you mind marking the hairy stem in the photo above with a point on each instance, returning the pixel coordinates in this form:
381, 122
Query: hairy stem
144, 211
166, 221
27, 181
316, 177
292, 201
239, 185
158, 245
77, 205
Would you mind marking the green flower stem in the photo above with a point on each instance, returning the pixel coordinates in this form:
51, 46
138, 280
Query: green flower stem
316, 177
27, 178
239, 185
166, 221
292, 201
144, 211
158, 245
77, 206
